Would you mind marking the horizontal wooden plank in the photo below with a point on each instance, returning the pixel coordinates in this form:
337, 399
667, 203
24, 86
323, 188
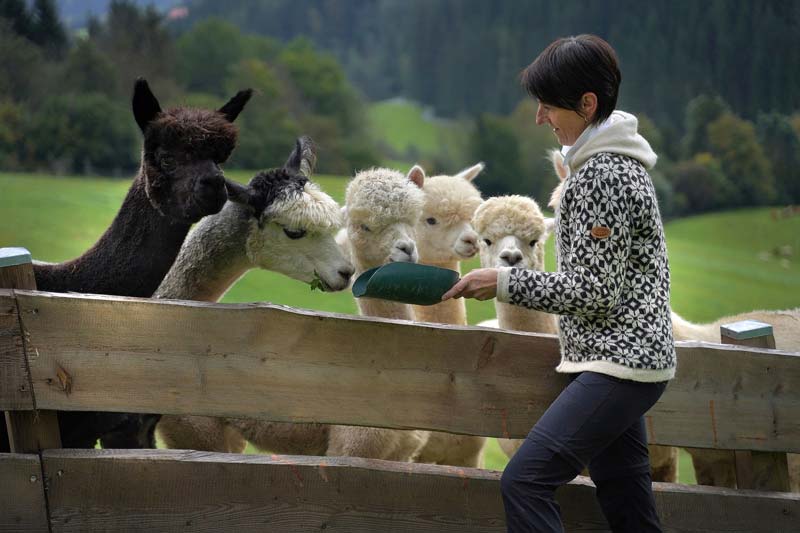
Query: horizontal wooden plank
166, 490
283, 364
22, 505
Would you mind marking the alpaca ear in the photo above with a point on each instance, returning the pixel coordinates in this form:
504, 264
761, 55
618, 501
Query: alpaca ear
557, 159
304, 156
549, 226
238, 193
235, 105
470, 173
145, 105
417, 176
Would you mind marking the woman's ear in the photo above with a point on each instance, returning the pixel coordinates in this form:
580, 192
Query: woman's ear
589, 106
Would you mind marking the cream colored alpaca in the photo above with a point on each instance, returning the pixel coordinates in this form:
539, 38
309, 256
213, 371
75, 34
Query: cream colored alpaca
715, 467
280, 222
382, 207
445, 237
718, 467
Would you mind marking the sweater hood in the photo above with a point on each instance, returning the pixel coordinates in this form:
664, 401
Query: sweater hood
617, 135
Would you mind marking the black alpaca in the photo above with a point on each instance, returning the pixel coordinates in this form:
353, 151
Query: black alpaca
178, 183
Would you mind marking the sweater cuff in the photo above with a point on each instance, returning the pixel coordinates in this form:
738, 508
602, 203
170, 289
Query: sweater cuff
503, 276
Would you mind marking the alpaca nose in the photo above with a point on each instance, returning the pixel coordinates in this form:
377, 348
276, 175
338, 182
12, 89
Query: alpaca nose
511, 257
471, 239
346, 273
406, 247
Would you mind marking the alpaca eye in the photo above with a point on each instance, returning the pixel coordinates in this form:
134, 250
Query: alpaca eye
431, 221
488, 242
533, 243
365, 227
294, 233
167, 162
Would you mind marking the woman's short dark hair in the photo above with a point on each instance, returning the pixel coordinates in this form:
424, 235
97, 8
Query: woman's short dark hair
572, 66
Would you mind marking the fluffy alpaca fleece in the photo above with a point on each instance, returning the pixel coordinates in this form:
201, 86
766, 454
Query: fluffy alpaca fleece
179, 182
506, 226
382, 207
718, 467
445, 237
712, 467
281, 222
379, 240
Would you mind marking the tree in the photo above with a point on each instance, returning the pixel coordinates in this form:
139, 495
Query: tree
776, 135
733, 142
700, 112
48, 31
535, 142
84, 133
21, 66
138, 44
207, 54
493, 141
11, 134
267, 132
700, 185
87, 69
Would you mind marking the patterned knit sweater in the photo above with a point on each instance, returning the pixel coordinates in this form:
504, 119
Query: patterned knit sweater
612, 284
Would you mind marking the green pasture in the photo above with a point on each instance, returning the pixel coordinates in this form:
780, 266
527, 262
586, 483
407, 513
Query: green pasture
722, 263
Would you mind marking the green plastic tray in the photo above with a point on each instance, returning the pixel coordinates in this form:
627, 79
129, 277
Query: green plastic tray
409, 283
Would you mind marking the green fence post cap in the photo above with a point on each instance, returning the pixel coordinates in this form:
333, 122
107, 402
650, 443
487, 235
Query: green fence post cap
14, 256
409, 283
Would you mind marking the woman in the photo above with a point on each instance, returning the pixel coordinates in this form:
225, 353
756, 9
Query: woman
611, 290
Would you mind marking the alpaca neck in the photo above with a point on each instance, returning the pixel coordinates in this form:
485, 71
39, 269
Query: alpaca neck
211, 259
452, 311
130, 258
515, 317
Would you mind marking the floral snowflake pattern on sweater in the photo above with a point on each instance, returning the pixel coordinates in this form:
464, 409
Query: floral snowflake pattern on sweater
612, 284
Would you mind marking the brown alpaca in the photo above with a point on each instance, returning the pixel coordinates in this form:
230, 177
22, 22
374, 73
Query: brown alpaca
178, 183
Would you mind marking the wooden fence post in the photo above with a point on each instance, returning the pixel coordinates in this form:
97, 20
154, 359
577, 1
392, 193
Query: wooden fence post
25, 431
756, 470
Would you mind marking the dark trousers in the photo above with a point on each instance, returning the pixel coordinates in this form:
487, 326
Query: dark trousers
598, 421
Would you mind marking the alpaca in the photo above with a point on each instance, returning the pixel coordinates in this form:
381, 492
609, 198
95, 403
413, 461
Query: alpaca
281, 222
712, 467
445, 237
178, 183
718, 467
382, 208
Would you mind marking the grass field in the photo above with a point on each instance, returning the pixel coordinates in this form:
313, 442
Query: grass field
722, 263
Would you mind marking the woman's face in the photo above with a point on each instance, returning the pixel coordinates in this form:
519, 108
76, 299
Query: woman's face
567, 124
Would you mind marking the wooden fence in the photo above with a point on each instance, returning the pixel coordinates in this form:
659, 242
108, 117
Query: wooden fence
103, 353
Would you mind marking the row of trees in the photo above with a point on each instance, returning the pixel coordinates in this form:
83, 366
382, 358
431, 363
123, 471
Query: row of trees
462, 57
725, 161
64, 106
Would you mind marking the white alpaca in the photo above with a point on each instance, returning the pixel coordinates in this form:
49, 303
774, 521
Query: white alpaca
280, 222
445, 237
382, 207
714, 467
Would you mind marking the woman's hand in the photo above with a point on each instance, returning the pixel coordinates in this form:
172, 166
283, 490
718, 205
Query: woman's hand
480, 284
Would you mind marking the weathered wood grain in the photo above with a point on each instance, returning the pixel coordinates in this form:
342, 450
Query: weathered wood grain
96, 490
273, 362
22, 506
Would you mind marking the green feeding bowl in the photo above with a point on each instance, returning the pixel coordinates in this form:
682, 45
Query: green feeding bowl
409, 283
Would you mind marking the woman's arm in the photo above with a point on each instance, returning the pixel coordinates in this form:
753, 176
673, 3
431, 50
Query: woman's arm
595, 247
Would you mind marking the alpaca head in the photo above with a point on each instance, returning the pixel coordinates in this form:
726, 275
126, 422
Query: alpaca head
444, 230
183, 148
382, 207
292, 222
513, 232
